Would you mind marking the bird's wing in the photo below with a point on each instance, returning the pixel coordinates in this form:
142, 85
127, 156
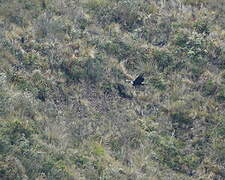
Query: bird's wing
140, 78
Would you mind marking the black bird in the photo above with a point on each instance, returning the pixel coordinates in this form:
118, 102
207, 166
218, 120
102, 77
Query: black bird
138, 81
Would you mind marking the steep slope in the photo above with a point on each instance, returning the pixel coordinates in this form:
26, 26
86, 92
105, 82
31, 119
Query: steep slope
67, 112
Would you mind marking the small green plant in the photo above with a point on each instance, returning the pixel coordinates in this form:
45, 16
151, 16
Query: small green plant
73, 69
9, 169
98, 149
30, 59
94, 70
14, 131
107, 87
220, 96
181, 119
209, 88
86, 69
202, 27
181, 39
119, 48
40, 86
169, 151
158, 83
196, 72
163, 59
4, 102
96, 4
21, 81
194, 2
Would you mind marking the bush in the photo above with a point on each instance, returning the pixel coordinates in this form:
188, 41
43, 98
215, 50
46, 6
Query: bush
196, 71
181, 120
156, 31
16, 130
202, 27
11, 169
53, 28
129, 14
93, 70
40, 85
220, 96
194, 2
209, 88
158, 83
181, 39
98, 149
4, 103
107, 87
170, 153
86, 69
73, 70
119, 48
163, 59
216, 55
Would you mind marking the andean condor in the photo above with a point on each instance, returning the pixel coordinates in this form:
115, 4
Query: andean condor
138, 81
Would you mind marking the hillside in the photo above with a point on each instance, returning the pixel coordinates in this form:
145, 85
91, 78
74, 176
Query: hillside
67, 111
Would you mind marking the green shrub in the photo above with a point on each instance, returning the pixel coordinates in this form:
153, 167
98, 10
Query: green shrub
37, 84
8, 46
40, 86
98, 149
220, 96
16, 130
216, 55
25, 85
158, 83
202, 27
163, 59
219, 150
118, 48
209, 88
107, 87
10, 169
157, 32
191, 46
30, 59
49, 27
73, 69
4, 103
48, 165
116, 144
196, 71
17, 20
83, 23
93, 70
170, 153
194, 2
181, 120
127, 13
86, 69
19, 79
181, 39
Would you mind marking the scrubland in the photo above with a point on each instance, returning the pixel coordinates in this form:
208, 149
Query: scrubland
67, 111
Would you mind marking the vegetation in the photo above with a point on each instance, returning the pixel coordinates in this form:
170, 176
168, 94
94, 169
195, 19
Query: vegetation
67, 111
